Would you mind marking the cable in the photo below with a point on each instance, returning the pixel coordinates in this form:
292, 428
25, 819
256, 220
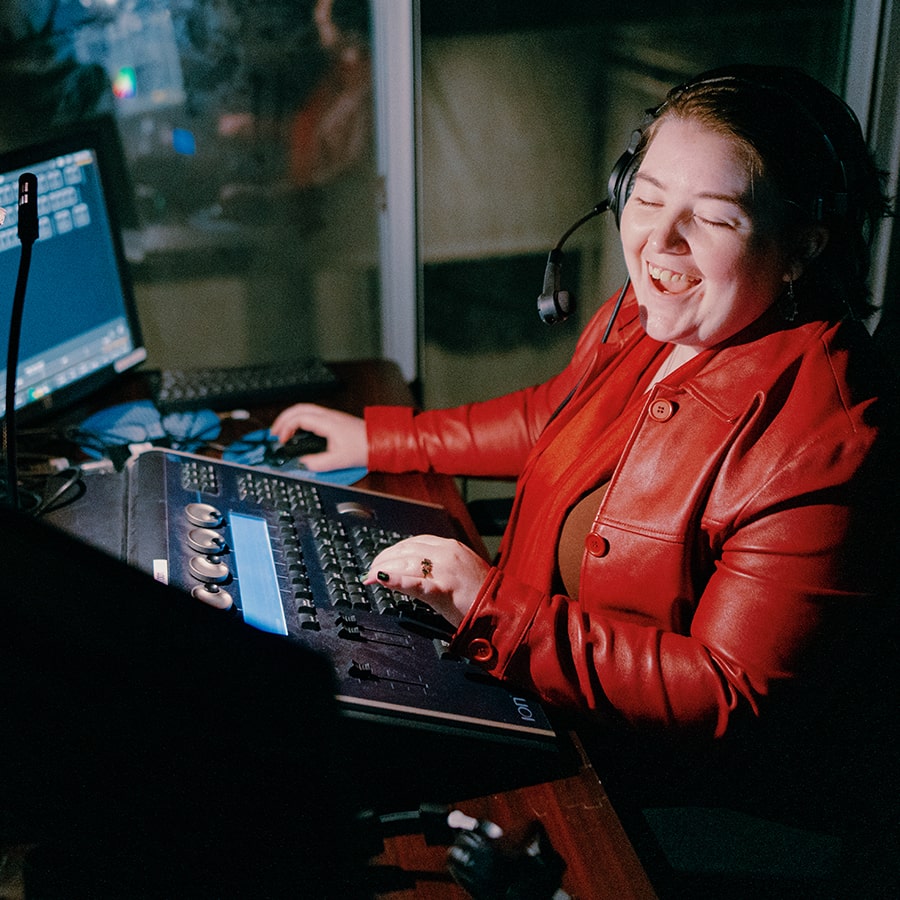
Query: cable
616, 308
57, 499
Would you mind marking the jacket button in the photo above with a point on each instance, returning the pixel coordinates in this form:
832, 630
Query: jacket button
481, 650
662, 410
596, 545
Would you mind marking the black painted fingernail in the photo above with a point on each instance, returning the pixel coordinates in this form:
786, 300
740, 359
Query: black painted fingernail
382, 576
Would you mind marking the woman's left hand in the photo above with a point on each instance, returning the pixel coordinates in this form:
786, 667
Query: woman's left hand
444, 573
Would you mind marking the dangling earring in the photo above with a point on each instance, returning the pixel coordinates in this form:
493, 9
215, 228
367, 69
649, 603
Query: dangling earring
788, 303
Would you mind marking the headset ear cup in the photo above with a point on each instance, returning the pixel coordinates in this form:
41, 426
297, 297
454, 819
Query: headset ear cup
621, 178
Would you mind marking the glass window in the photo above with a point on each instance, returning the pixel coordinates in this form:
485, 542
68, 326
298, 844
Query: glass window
246, 178
251, 192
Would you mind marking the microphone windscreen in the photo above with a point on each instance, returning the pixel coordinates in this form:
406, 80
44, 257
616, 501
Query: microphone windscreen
28, 207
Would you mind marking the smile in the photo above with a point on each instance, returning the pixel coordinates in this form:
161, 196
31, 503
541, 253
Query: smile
668, 280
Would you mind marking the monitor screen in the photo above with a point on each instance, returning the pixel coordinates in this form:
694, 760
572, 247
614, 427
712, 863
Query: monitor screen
79, 326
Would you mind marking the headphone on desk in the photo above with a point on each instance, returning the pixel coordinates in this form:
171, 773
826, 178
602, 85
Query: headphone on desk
798, 97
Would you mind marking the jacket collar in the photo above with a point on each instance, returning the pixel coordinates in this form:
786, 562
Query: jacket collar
742, 367
748, 364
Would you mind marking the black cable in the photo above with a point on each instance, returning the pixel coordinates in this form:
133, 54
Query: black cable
57, 500
616, 308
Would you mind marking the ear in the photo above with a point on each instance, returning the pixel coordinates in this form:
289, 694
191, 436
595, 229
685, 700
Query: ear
810, 243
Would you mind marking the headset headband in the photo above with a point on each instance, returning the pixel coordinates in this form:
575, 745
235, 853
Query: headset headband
834, 200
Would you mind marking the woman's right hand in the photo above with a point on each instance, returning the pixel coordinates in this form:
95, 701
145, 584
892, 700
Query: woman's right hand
346, 435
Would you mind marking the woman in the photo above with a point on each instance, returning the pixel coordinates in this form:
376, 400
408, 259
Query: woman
690, 554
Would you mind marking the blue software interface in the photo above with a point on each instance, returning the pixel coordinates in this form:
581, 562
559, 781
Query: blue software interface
78, 328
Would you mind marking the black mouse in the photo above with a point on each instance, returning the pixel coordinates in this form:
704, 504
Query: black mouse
299, 444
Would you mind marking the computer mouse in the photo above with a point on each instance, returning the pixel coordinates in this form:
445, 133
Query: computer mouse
299, 444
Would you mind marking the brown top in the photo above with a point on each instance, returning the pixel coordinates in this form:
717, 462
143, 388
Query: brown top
571, 540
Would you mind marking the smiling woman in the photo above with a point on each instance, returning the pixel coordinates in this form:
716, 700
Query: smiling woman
703, 260
820, 205
695, 563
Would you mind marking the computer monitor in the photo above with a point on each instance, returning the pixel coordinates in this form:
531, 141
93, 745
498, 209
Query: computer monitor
79, 327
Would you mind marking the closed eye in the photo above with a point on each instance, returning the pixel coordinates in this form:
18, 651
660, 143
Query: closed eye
641, 201
713, 223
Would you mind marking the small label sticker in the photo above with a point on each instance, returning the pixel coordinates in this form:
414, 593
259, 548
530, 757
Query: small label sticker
161, 570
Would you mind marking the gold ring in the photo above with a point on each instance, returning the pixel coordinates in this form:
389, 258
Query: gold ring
426, 568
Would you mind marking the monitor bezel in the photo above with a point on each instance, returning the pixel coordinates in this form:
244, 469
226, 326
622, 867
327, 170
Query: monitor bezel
101, 137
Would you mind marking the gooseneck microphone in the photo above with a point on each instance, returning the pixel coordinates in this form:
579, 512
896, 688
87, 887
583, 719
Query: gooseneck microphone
28, 234
555, 305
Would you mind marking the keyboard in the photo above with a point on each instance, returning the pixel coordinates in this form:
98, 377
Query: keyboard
285, 381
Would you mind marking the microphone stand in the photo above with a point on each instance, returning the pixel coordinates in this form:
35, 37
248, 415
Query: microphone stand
28, 233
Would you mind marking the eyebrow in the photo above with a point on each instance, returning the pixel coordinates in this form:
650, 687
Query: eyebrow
736, 200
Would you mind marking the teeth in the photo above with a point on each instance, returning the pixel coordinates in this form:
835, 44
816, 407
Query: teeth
667, 275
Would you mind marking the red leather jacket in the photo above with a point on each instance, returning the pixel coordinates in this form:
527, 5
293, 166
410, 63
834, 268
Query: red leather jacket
733, 551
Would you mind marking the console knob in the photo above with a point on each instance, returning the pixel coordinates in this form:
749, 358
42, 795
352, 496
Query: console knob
204, 540
208, 571
212, 595
203, 514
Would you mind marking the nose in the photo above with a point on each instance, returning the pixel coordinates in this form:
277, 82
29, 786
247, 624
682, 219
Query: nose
667, 235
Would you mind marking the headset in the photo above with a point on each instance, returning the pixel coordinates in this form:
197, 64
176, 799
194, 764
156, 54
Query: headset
785, 84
